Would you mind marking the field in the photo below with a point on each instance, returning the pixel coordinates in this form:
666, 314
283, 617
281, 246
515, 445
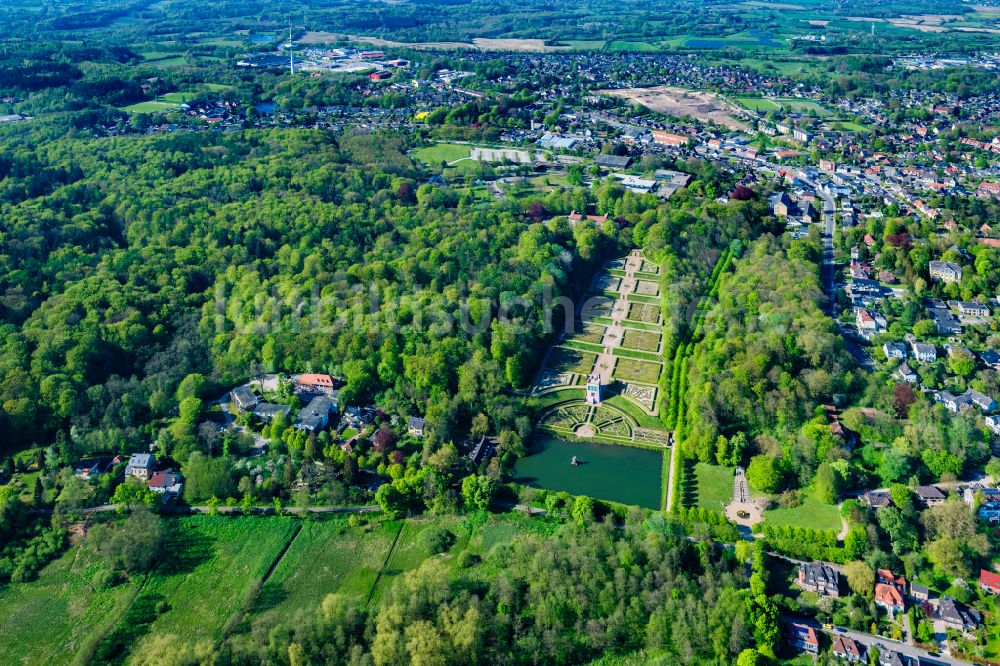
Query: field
713, 486
481, 43
441, 152
847, 126
802, 105
632, 370
324, 558
50, 619
644, 312
212, 573
758, 104
642, 340
680, 102
811, 513
152, 106
563, 359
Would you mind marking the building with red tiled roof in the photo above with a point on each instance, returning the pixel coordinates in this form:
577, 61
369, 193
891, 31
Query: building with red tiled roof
989, 581
889, 598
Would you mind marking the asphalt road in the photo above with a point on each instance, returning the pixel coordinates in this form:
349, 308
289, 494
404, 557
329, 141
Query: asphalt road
882, 643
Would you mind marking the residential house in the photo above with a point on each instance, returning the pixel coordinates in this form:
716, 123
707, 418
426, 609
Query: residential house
782, 204
973, 309
889, 598
868, 323
892, 658
847, 648
244, 397
894, 350
946, 271
991, 358
481, 451
359, 417
929, 495
953, 403
575, 217
316, 415
886, 577
945, 321
315, 383
958, 616
168, 483
802, 637
993, 423
989, 581
924, 353
266, 411
669, 139
919, 592
415, 426
141, 466
877, 499
982, 401
906, 373
819, 577
802, 135
91, 468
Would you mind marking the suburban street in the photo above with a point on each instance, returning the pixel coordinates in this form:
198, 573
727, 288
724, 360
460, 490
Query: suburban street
869, 640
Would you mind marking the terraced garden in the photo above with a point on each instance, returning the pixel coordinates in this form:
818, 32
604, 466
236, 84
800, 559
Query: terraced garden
644, 312
634, 370
642, 340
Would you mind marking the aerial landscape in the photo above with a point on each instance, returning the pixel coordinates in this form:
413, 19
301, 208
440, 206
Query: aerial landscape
429, 332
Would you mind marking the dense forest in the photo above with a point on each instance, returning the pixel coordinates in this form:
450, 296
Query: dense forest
129, 264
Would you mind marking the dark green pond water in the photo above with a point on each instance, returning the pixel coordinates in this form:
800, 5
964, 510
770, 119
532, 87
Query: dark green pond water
616, 473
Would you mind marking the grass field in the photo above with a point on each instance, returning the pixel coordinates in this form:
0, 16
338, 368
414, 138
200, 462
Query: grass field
152, 106
212, 573
758, 104
811, 513
441, 152
631, 370
714, 486
178, 97
797, 105
49, 620
326, 557
848, 126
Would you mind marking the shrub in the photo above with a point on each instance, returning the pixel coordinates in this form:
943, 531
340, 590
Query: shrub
436, 540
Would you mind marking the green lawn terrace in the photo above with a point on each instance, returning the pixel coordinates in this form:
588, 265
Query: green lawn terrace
710, 487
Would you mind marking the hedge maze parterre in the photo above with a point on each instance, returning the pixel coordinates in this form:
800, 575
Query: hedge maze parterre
644, 312
641, 340
632, 370
564, 359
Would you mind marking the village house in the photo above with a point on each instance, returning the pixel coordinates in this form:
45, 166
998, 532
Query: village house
991, 359
669, 139
993, 423
929, 495
802, 637
847, 648
575, 217
887, 577
877, 499
244, 398
266, 411
989, 581
316, 415
819, 577
358, 417
141, 466
315, 383
889, 598
894, 350
906, 373
924, 353
892, 658
958, 616
973, 309
415, 427
868, 323
167, 483
946, 271
919, 592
